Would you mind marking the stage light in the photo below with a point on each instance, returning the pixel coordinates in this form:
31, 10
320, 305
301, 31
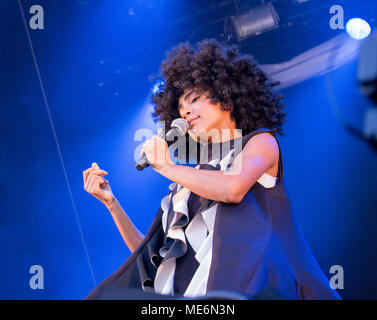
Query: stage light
158, 86
155, 88
358, 28
255, 21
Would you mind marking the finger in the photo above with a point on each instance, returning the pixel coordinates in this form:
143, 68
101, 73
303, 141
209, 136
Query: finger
145, 147
90, 180
99, 183
148, 143
99, 172
95, 171
94, 187
86, 179
161, 140
87, 183
86, 173
103, 183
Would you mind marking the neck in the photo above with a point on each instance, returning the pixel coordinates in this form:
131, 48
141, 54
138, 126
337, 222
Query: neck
225, 133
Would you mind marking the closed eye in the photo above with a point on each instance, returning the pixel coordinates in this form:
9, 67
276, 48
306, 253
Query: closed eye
196, 98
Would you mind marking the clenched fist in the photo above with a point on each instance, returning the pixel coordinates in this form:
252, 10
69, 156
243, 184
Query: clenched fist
97, 185
157, 152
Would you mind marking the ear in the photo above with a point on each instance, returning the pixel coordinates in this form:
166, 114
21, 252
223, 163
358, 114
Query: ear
224, 107
229, 108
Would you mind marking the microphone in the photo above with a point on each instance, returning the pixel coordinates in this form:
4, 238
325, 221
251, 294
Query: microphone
178, 127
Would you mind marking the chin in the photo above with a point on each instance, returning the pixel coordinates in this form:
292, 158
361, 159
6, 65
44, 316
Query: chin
198, 133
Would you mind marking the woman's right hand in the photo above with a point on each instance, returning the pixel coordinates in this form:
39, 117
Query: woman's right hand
97, 185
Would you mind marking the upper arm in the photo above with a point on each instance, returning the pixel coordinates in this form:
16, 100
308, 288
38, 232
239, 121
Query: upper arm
260, 153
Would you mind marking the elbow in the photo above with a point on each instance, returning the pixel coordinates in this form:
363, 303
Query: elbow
233, 196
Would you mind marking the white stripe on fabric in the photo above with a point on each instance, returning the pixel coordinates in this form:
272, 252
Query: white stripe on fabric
199, 233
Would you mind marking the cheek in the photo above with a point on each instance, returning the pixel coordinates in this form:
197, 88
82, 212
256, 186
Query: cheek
212, 116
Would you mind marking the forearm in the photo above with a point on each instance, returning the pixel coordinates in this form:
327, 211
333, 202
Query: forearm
130, 234
210, 184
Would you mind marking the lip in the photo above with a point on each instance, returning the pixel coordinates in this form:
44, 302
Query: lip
192, 120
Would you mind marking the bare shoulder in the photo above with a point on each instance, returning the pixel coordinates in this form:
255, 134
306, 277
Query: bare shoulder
265, 145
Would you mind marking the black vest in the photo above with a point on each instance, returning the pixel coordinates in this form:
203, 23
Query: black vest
257, 247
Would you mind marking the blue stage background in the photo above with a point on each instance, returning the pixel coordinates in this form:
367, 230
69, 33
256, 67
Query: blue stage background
94, 59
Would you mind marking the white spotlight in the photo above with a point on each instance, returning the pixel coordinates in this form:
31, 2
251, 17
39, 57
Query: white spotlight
358, 28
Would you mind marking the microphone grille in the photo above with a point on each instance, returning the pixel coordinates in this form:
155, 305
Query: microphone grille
181, 124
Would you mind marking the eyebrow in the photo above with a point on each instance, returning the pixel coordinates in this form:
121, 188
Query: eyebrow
186, 96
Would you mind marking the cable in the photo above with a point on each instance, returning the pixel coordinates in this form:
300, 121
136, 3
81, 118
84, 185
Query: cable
56, 142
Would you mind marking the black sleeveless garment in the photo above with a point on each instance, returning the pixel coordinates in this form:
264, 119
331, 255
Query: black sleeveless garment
258, 246
187, 265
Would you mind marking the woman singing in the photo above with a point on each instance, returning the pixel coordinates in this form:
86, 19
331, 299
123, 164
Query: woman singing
225, 224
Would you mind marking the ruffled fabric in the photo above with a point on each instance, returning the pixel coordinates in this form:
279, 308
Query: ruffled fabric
257, 245
199, 233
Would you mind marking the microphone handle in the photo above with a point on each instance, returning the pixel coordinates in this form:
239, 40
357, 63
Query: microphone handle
143, 161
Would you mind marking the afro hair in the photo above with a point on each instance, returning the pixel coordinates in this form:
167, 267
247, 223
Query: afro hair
232, 79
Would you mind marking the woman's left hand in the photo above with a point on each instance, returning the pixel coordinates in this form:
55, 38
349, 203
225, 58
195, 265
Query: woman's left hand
157, 152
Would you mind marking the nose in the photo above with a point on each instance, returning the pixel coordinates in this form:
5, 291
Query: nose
185, 112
